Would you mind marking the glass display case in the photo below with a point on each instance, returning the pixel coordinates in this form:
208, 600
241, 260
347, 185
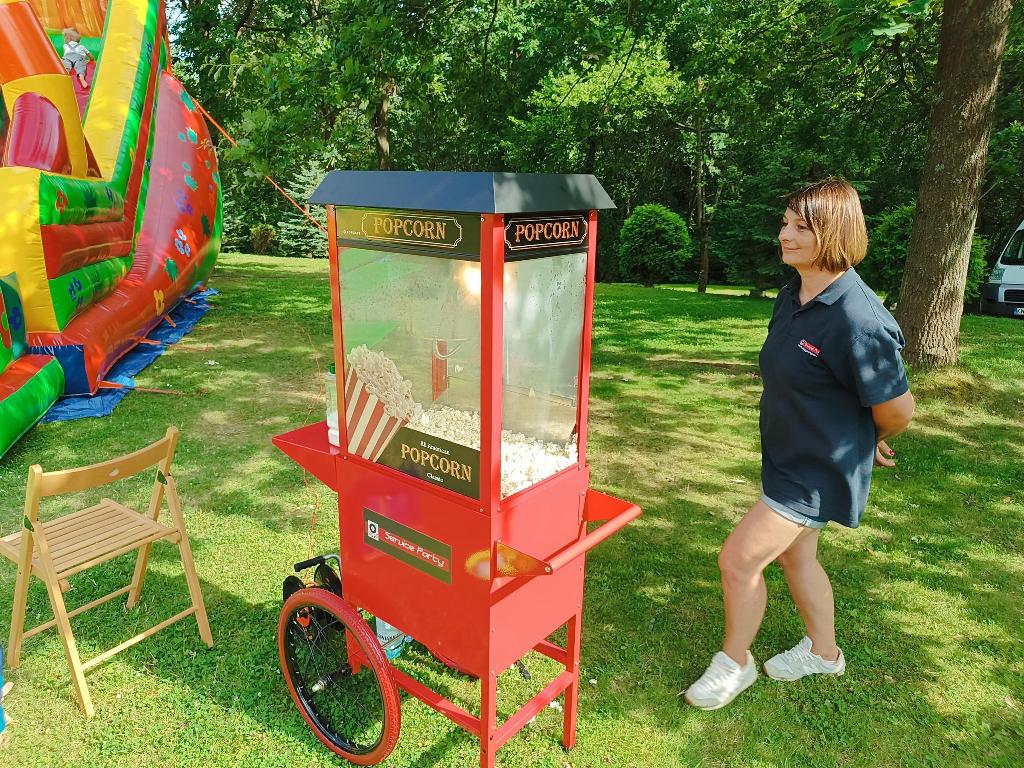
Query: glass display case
412, 347
543, 324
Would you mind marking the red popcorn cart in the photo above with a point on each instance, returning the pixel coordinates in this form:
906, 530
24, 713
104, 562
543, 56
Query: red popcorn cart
461, 306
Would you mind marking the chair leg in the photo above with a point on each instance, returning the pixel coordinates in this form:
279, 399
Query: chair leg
70, 647
174, 505
18, 614
192, 578
139, 577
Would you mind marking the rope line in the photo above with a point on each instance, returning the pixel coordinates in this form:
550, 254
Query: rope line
273, 183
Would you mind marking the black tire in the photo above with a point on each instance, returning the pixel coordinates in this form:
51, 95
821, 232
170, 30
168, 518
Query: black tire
356, 716
325, 577
291, 585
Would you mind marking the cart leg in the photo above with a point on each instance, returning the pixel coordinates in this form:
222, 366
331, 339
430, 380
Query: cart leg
488, 720
572, 693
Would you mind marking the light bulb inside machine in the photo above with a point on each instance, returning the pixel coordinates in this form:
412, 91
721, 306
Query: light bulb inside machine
473, 281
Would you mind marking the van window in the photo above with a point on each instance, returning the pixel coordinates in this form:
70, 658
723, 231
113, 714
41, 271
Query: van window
1013, 256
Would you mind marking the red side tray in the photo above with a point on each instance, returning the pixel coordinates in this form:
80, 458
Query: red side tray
310, 449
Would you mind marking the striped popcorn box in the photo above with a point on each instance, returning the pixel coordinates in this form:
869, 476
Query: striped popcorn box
370, 427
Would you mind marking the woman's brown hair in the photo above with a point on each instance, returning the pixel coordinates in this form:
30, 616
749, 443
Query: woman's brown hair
831, 208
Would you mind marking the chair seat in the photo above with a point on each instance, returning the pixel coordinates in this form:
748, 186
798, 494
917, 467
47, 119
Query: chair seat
91, 536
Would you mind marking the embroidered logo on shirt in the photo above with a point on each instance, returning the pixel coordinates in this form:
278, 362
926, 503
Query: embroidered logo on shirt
809, 348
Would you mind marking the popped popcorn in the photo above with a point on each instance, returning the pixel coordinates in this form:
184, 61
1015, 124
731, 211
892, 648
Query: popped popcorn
524, 460
382, 379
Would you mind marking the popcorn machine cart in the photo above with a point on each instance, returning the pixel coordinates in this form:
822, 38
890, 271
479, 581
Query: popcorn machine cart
461, 306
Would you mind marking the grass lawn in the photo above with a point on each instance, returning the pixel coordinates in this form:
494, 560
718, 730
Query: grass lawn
929, 590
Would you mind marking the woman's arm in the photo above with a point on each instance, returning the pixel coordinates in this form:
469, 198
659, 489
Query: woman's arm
891, 418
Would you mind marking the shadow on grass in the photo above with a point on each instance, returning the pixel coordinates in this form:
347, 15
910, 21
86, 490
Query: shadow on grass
674, 427
654, 591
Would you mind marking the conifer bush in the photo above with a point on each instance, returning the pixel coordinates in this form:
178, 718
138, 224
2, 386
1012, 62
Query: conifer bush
297, 235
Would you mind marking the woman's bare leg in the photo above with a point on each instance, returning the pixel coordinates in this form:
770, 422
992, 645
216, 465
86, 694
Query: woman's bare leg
759, 538
812, 592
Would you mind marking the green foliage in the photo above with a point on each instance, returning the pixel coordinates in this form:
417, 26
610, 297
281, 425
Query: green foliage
977, 268
1002, 205
888, 242
747, 230
296, 234
779, 95
262, 238
859, 25
654, 247
235, 236
620, 123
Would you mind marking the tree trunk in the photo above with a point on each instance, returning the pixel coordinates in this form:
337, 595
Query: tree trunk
702, 229
380, 127
705, 257
932, 295
591, 157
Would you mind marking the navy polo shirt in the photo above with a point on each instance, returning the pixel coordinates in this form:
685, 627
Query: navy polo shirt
824, 364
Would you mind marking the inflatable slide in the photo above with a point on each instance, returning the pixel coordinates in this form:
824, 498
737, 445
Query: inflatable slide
111, 204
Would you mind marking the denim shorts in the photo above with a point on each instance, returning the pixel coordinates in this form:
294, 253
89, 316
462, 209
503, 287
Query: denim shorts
797, 517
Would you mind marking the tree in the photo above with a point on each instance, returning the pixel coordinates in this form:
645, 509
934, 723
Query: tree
616, 122
297, 235
715, 110
971, 45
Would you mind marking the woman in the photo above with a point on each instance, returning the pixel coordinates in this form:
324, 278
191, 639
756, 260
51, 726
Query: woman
834, 391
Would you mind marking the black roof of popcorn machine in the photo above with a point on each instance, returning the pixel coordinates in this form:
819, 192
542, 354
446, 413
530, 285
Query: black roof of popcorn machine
463, 192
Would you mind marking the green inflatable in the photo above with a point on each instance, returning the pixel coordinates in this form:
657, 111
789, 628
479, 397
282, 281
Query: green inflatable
29, 384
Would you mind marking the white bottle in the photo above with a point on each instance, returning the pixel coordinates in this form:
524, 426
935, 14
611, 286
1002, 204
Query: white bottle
391, 638
333, 436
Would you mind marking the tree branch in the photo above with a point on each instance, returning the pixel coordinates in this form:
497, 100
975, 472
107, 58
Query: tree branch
245, 17
487, 40
625, 64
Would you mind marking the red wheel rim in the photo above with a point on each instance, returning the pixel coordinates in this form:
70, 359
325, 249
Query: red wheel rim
317, 672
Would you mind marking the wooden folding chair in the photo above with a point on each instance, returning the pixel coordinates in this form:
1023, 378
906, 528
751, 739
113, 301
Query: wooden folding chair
60, 548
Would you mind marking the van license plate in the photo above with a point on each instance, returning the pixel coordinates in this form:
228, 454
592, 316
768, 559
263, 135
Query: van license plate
1018, 311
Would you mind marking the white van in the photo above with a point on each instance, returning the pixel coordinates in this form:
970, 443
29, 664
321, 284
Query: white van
1003, 294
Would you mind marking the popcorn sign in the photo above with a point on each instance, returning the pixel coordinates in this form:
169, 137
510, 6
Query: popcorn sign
403, 230
524, 234
434, 459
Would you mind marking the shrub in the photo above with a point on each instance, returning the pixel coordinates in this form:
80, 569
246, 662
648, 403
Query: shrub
887, 255
262, 238
654, 247
977, 268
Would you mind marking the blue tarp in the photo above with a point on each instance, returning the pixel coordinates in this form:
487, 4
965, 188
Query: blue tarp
185, 315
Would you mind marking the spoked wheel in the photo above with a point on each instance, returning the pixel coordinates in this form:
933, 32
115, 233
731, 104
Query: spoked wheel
355, 714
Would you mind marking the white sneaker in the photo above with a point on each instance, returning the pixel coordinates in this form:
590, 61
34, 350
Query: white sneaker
722, 682
799, 661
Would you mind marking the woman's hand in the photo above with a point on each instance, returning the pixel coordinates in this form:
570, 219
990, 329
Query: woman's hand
884, 454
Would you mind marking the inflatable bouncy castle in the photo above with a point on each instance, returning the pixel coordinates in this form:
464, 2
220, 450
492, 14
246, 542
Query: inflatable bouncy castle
111, 204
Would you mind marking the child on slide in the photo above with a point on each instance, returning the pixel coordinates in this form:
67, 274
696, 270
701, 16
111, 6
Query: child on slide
76, 55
